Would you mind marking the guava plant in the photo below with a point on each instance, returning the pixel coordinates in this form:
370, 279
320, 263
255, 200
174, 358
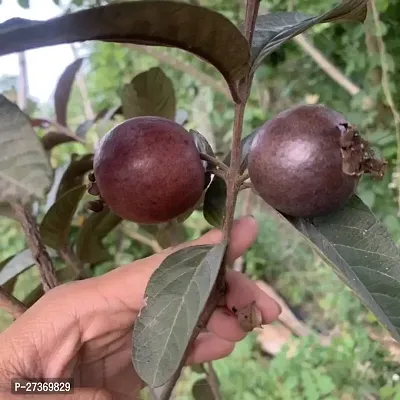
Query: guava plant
306, 163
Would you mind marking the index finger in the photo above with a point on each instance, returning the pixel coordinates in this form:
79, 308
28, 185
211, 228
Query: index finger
128, 283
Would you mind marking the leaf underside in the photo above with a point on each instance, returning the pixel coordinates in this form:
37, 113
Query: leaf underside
202, 390
274, 29
63, 90
74, 174
55, 226
214, 202
363, 254
89, 246
25, 171
17, 264
176, 295
149, 93
53, 139
215, 196
198, 30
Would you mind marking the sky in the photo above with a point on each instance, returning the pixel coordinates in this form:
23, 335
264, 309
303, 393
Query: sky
44, 65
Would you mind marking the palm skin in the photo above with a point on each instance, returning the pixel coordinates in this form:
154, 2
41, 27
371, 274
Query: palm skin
84, 329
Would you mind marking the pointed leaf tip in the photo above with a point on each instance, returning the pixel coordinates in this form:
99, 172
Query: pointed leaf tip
63, 90
176, 295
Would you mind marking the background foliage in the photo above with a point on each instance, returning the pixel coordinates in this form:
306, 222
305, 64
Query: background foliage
356, 365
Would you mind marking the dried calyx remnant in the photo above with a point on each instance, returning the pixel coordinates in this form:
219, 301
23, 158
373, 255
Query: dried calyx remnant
358, 157
95, 205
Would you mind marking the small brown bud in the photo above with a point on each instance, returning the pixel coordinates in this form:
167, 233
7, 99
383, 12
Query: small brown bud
93, 189
95, 206
91, 177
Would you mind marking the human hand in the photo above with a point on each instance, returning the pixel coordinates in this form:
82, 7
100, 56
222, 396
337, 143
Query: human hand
83, 329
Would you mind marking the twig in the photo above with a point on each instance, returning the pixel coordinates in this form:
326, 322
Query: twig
212, 380
143, 239
233, 173
232, 184
183, 66
219, 173
326, 65
244, 177
386, 84
246, 185
12, 305
251, 13
214, 161
239, 265
38, 249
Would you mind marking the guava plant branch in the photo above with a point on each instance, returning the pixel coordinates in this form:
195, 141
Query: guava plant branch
246, 185
232, 175
386, 82
244, 177
252, 7
38, 249
214, 161
232, 185
219, 173
233, 172
212, 380
10, 304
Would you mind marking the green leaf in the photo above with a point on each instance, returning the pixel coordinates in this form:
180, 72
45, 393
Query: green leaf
89, 246
75, 173
84, 127
196, 29
16, 264
24, 3
63, 90
201, 390
149, 93
202, 145
9, 285
53, 139
274, 29
25, 171
6, 210
55, 226
362, 253
176, 295
214, 202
